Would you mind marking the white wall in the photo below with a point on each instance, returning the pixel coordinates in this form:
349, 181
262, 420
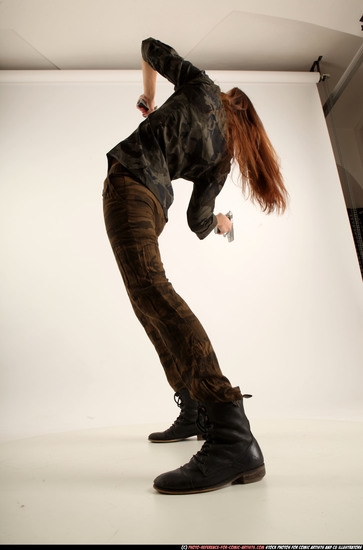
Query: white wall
289, 288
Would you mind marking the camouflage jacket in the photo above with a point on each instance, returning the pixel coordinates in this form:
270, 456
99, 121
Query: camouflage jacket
184, 138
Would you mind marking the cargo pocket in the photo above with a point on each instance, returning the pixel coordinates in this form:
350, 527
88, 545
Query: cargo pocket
131, 268
153, 263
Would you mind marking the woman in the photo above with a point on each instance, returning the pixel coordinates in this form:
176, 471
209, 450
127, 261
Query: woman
194, 135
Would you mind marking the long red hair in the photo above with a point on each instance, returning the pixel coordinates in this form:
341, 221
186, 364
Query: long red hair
249, 146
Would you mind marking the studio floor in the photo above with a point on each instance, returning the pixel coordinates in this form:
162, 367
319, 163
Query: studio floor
95, 487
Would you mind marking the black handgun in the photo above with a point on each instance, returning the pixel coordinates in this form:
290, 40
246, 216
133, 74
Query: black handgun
142, 104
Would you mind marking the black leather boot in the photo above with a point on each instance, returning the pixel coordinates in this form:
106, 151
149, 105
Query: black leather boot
185, 425
230, 454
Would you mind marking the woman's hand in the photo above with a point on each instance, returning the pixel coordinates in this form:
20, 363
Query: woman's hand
149, 103
224, 224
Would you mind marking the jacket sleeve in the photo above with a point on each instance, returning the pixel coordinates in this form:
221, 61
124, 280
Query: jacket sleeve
164, 59
200, 216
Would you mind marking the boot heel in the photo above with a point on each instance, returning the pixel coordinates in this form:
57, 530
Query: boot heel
251, 476
200, 437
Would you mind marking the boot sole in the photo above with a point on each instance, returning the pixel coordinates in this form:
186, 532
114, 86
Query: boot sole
200, 437
242, 479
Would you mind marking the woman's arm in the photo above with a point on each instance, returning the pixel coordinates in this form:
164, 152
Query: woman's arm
149, 81
161, 58
167, 62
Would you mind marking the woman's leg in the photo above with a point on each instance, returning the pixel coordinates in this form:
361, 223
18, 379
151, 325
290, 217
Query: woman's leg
115, 197
168, 361
134, 220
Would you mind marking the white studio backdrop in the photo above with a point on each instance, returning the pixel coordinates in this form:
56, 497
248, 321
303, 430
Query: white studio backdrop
282, 304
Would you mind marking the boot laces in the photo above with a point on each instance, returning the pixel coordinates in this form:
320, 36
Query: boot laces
206, 427
178, 398
203, 422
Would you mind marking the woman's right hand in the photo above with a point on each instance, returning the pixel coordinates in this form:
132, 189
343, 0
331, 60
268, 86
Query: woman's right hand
224, 224
150, 104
